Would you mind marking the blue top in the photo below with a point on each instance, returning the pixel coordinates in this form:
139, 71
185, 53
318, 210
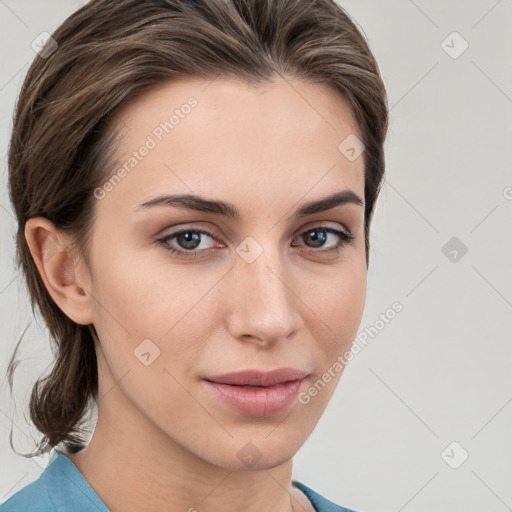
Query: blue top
62, 488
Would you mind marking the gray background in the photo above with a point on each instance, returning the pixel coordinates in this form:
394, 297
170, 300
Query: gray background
438, 372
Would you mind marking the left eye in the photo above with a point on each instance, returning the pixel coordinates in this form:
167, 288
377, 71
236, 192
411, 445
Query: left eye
189, 239
318, 235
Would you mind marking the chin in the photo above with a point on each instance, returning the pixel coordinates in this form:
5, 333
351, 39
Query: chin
255, 455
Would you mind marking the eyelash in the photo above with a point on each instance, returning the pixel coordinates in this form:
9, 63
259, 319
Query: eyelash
345, 237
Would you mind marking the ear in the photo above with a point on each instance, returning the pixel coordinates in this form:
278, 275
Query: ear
65, 277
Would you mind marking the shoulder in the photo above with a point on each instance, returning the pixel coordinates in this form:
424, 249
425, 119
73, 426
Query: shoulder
59, 488
34, 497
320, 503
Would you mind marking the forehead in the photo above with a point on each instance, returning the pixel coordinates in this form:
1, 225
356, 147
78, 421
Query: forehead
229, 139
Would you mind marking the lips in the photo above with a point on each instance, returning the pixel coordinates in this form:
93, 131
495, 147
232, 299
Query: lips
258, 377
256, 392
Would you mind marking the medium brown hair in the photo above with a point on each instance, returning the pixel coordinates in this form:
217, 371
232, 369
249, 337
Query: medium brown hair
110, 52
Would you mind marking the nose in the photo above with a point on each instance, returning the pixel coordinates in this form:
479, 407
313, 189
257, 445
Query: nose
263, 305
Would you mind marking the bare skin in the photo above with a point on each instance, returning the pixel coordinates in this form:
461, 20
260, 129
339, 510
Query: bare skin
163, 441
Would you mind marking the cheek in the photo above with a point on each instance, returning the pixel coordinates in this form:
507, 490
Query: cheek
156, 302
335, 319
142, 297
338, 308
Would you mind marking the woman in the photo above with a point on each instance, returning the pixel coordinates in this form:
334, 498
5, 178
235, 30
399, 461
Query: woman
194, 183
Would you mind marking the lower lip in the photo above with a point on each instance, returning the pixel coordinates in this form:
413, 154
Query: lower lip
257, 401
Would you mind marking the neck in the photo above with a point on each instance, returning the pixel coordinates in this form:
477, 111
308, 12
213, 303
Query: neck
131, 472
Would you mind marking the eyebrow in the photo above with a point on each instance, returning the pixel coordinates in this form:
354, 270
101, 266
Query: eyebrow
229, 210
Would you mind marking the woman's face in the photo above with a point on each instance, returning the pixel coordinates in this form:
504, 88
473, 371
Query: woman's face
266, 288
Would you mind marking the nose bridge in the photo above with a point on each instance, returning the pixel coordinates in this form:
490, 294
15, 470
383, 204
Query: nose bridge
263, 301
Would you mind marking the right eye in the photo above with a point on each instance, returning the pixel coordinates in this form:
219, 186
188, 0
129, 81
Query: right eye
188, 239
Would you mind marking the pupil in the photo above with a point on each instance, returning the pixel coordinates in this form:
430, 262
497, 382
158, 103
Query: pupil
318, 238
189, 238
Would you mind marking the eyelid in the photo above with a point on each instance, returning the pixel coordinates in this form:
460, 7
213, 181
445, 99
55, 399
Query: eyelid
213, 231
324, 224
175, 230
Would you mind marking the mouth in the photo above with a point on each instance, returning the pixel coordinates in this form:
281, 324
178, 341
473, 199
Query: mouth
258, 378
255, 392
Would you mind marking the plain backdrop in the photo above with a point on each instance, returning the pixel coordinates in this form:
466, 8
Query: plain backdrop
421, 420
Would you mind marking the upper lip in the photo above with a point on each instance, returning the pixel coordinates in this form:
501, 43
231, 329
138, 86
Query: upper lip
258, 377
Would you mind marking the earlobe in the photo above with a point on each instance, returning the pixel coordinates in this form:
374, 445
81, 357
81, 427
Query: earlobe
59, 270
